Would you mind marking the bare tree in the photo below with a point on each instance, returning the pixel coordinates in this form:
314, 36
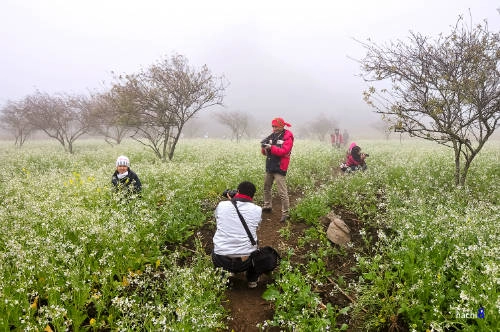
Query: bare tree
445, 90
13, 118
108, 115
237, 121
383, 127
321, 127
194, 128
62, 117
166, 96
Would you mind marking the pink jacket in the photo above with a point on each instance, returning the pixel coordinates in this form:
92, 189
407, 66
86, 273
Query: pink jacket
353, 160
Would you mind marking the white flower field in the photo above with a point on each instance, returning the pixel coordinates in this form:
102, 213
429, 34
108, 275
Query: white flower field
74, 256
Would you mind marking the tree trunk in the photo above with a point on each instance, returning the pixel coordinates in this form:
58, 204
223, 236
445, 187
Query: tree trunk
465, 171
457, 165
172, 147
461, 172
164, 149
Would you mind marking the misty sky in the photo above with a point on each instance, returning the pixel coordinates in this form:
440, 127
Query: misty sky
282, 58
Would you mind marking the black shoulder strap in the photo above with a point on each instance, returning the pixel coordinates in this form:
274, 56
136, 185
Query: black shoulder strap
244, 224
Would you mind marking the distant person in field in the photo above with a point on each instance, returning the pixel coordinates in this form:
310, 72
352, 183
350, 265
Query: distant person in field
355, 159
345, 136
277, 148
232, 246
337, 139
124, 179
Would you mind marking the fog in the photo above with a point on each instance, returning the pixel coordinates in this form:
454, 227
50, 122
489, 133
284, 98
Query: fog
292, 59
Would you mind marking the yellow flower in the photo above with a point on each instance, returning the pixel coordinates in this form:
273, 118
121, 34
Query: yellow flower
125, 281
48, 329
92, 322
95, 294
34, 305
157, 263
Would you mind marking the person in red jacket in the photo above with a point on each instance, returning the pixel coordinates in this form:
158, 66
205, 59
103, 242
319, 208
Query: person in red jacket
355, 159
337, 139
277, 148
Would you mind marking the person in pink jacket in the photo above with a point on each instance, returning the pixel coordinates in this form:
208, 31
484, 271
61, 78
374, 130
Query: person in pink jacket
277, 148
355, 159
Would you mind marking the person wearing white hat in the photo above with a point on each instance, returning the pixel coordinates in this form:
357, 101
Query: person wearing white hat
124, 177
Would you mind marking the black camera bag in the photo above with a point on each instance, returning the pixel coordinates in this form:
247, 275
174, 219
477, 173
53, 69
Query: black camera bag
265, 259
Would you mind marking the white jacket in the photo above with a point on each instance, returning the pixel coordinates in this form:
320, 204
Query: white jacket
230, 237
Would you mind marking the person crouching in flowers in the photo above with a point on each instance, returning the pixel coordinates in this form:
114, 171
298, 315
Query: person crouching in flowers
355, 159
232, 245
124, 178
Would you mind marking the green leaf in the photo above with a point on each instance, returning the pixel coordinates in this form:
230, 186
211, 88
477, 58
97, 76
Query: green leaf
270, 294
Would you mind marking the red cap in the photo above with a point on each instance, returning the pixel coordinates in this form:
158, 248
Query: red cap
279, 122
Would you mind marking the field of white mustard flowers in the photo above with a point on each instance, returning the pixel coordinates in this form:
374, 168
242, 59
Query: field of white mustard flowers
75, 257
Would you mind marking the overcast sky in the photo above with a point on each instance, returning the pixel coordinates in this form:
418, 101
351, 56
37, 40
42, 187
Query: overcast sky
282, 58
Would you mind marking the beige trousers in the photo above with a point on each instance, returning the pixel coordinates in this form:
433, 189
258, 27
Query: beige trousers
282, 192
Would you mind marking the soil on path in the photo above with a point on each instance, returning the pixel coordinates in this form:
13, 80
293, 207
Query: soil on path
246, 305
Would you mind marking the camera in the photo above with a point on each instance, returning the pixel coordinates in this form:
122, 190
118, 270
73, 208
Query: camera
366, 155
230, 192
265, 142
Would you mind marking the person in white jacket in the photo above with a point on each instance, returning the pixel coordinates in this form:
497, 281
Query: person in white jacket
232, 246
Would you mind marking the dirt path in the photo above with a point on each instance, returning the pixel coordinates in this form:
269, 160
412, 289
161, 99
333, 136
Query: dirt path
247, 307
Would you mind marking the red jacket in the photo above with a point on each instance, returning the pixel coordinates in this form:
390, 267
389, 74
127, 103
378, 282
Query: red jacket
337, 139
278, 156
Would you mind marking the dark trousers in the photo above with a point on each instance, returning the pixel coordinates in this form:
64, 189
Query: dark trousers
236, 265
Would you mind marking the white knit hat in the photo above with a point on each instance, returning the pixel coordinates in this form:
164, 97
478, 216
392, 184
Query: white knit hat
122, 161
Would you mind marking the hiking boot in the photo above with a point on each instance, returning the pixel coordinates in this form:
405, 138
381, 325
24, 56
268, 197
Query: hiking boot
267, 209
252, 284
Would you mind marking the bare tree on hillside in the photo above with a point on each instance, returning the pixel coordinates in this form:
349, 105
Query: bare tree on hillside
445, 90
237, 122
165, 97
13, 119
62, 117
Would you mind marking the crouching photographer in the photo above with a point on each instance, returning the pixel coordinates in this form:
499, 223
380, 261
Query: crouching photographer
235, 239
355, 159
